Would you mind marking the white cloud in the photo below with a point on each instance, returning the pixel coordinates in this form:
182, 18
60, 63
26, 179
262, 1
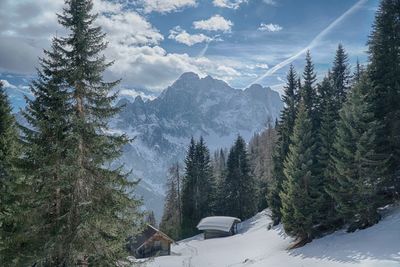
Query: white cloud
134, 44
270, 2
128, 28
270, 27
262, 66
181, 36
166, 6
234, 4
257, 66
215, 23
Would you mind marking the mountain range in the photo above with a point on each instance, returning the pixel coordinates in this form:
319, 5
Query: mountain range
190, 107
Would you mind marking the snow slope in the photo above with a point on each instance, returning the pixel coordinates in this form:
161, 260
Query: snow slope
255, 246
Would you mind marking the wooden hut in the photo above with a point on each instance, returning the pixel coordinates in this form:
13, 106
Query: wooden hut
218, 226
150, 243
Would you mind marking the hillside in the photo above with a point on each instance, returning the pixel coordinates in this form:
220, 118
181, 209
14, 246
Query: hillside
255, 246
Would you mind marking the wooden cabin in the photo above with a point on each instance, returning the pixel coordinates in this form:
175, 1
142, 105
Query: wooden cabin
218, 226
150, 243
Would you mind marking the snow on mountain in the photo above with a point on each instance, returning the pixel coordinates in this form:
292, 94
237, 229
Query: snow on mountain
256, 246
191, 106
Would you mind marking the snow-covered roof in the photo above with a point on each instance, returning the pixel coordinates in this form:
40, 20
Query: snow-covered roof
220, 223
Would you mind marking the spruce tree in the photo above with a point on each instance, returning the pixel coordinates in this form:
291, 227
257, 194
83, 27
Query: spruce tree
331, 94
83, 209
359, 169
219, 171
284, 131
326, 136
188, 191
340, 76
384, 72
358, 73
12, 187
239, 188
198, 187
9, 148
205, 181
308, 91
300, 195
172, 217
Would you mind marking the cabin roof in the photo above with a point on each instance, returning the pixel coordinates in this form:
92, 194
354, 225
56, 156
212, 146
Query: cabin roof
147, 234
220, 223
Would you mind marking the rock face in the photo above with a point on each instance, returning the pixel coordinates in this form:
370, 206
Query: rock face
192, 106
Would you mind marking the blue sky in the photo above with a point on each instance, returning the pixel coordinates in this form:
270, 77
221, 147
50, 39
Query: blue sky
154, 41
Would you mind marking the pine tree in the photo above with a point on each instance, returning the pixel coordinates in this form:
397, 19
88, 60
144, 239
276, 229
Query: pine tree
284, 131
171, 220
83, 209
340, 76
9, 148
300, 190
219, 171
188, 191
12, 187
384, 72
326, 136
359, 167
308, 91
359, 71
239, 188
205, 181
198, 187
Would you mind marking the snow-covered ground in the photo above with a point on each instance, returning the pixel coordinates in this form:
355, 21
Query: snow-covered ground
255, 246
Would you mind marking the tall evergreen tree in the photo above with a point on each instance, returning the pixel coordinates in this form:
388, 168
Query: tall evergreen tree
188, 192
205, 180
358, 72
308, 90
219, 170
384, 72
239, 188
11, 187
300, 193
198, 187
9, 148
340, 76
284, 131
331, 94
171, 220
82, 209
359, 167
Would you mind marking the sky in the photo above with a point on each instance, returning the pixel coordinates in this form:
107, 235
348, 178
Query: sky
154, 41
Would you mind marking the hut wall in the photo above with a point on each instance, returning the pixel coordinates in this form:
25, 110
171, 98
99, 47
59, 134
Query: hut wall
154, 247
215, 234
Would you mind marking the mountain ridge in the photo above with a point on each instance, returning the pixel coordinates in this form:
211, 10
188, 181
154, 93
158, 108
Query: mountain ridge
191, 106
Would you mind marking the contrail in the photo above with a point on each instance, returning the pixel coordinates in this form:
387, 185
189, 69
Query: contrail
313, 43
204, 50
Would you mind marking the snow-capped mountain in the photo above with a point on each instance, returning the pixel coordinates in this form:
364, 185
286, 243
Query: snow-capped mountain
191, 106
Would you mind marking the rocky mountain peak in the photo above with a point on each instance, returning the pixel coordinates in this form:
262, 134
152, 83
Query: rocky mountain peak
191, 106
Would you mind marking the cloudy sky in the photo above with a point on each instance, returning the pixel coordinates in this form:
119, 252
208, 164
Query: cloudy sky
154, 41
